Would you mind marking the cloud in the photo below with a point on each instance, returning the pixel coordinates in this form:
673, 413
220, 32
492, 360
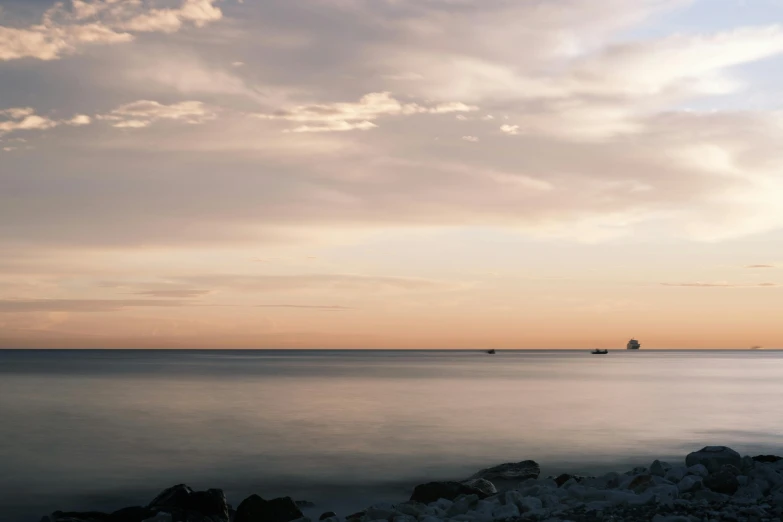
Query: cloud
472, 139
510, 129
183, 293
333, 308
25, 119
342, 116
66, 28
722, 285
144, 112
760, 266
275, 283
79, 305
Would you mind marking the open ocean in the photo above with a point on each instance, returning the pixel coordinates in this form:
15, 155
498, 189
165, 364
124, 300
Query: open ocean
83, 430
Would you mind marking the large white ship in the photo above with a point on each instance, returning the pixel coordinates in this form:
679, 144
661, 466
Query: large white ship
633, 344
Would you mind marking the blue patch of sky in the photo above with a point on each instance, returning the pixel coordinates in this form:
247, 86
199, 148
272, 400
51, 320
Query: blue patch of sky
763, 80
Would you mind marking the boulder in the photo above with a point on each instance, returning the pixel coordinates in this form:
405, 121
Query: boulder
131, 514
511, 471
767, 458
565, 477
714, 457
196, 506
483, 485
641, 483
690, 483
657, 468
699, 470
328, 514
724, 482
432, 491
256, 509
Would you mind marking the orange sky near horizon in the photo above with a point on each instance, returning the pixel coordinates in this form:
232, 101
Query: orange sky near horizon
376, 174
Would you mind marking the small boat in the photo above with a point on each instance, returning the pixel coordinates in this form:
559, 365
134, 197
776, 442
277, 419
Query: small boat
756, 348
633, 344
491, 352
599, 352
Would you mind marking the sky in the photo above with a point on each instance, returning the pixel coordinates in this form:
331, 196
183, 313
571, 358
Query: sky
391, 173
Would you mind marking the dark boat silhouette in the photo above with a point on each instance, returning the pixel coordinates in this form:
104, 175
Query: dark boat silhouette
599, 352
491, 352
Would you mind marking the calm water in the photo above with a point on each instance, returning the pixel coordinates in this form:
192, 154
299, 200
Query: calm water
104, 429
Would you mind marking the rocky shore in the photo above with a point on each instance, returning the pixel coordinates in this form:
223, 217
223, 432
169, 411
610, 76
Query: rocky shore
712, 484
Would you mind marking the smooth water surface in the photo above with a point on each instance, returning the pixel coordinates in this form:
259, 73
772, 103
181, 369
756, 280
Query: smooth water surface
105, 429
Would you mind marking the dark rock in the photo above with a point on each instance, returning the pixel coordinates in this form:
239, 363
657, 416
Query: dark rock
713, 457
728, 468
767, 458
210, 503
192, 506
328, 514
77, 516
256, 509
131, 514
722, 482
518, 471
432, 491
562, 479
641, 484
356, 517
486, 487
176, 497
304, 503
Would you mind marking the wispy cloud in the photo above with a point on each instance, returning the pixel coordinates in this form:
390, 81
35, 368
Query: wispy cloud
181, 293
722, 285
343, 116
333, 308
144, 112
80, 305
25, 119
760, 266
67, 27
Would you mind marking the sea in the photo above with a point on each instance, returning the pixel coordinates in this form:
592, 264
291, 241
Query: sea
105, 429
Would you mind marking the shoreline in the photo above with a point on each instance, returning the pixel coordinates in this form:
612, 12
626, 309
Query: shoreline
714, 483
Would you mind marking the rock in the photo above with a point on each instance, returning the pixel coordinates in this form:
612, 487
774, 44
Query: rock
183, 502
483, 485
505, 512
641, 483
328, 514
752, 491
511, 471
562, 479
304, 504
462, 505
699, 470
528, 504
432, 491
728, 468
76, 516
767, 458
689, 484
713, 457
160, 517
676, 474
131, 514
656, 468
256, 509
724, 482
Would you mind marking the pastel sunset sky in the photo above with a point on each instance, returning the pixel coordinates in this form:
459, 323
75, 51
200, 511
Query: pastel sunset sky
391, 173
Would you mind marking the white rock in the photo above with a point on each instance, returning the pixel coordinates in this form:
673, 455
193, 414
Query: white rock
434, 511
506, 511
529, 504
462, 505
513, 497
752, 491
699, 470
550, 501
485, 508
664, 495
443, 503
690, 483
676, 474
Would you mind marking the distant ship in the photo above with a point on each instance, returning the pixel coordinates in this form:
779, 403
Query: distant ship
633, 344
755, 348
491, 352
599, 352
